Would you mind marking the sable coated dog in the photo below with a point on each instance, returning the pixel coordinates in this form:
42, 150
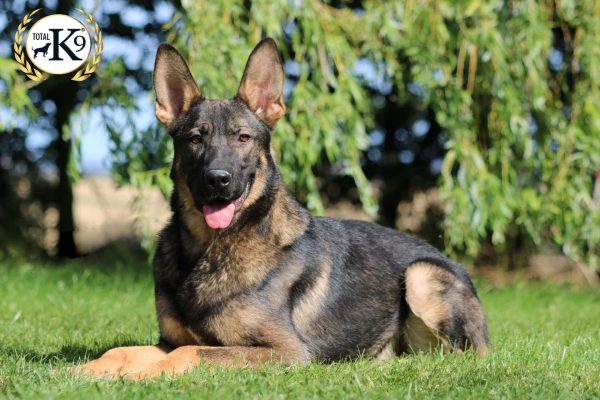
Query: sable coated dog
244, 275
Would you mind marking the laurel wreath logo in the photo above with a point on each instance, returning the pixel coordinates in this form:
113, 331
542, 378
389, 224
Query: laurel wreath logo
24, 65
83, 73
86, 71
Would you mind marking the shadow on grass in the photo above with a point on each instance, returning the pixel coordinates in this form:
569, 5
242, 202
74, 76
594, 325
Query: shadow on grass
122, 259
123, 250
69, 354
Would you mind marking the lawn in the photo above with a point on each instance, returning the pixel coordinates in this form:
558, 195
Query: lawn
546, 345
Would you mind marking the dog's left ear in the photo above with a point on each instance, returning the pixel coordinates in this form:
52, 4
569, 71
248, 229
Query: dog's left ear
261, 87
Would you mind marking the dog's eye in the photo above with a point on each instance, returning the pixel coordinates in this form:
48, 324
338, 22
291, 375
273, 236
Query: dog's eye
195, 139
244, 137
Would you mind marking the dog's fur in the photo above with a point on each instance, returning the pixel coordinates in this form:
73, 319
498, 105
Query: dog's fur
277, 284
43, 50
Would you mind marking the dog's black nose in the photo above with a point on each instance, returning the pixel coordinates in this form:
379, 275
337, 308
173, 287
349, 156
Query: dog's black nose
217, 178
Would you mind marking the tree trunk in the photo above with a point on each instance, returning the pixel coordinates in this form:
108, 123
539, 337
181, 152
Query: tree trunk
63, 93
64, 199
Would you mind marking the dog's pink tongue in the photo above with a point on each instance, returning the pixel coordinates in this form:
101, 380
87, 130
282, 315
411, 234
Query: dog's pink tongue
218, 216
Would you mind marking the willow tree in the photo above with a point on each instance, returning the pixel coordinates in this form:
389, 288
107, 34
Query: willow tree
515, 85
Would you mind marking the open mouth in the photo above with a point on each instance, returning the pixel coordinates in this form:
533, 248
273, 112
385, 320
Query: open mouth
219, 216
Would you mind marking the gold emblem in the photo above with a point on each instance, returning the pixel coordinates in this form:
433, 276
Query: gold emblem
63, 44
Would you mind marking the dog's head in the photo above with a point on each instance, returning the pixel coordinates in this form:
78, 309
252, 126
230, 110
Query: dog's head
221, 146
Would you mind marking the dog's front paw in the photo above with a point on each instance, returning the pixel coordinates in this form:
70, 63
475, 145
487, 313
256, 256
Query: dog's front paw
107, 366
122, 361
179, 361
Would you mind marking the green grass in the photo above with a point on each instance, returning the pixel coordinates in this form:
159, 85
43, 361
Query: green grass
546, 345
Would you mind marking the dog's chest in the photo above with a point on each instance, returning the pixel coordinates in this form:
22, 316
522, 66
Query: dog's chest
216, 279
219, 304
240, 320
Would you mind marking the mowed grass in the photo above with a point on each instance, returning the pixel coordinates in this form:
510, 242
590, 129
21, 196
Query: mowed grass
546, 345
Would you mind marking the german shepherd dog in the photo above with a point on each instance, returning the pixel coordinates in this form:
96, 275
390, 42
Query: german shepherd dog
245, 276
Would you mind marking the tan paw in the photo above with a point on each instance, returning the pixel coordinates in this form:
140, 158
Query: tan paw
177, 362
122, 361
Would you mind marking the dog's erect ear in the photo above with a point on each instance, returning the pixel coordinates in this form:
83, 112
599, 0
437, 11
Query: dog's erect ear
174, 85
261, 87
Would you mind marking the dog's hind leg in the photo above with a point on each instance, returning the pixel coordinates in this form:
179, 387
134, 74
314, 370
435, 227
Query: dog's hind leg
442, 309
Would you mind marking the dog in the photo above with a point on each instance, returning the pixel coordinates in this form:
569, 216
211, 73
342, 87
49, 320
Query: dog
43, 50
245, 276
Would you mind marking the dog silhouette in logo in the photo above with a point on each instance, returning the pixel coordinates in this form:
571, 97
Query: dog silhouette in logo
43, 49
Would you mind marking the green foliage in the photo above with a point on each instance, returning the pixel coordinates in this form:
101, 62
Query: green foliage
545, 346
523, 139
14, 94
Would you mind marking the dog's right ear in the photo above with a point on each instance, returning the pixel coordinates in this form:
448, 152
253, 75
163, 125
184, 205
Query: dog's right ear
174, 85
